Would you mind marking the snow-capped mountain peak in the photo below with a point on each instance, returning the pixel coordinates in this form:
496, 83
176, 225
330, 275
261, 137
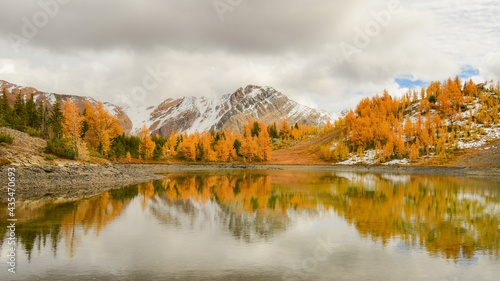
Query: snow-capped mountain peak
192, 114
230, 111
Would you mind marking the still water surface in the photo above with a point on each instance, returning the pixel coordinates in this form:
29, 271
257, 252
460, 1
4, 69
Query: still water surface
265, 225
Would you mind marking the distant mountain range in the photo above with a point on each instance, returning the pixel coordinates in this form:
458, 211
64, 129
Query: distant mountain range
193, 114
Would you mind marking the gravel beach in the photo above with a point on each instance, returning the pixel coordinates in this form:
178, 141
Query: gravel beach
77, 181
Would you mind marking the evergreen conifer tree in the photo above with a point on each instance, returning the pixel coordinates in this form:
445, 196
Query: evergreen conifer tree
56, 120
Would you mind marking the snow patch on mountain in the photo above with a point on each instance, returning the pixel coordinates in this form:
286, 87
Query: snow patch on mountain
197, 114
209, 116
139, 117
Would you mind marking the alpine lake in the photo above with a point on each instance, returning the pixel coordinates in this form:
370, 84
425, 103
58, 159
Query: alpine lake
264, 225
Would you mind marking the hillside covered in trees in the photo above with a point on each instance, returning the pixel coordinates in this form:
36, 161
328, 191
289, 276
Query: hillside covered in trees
96, 133
431, 126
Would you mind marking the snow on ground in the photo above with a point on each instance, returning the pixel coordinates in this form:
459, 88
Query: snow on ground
484, 134
491, 133
368, 158
404, 161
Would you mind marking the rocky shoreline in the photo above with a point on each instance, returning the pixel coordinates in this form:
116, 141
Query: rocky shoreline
76, 181
69, 182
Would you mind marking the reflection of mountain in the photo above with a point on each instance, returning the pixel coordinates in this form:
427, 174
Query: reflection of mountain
446, 216
243, 204
192, 215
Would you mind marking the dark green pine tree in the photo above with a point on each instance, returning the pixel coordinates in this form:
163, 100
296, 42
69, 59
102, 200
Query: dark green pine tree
5, 110
56, 119
118, 146
159, 142
20, 114
237, 146
215, 135
273, 131
85, 125
32, 113
42, 112
255, 129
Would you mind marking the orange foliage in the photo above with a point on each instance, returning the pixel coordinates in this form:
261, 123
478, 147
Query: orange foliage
147, 144
72, 127
103, 127
264, 144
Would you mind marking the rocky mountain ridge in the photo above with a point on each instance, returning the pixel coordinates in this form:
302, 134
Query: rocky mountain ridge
49, 99
191, 114
230, 111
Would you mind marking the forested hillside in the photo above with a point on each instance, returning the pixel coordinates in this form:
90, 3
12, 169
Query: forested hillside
96, 133
431, 126
442, 121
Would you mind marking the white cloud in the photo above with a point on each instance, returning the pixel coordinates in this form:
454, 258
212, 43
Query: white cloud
102, 49
6, 66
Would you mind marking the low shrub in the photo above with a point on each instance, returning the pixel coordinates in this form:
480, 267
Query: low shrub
33, 132
94, 153
50, 157
4, 123
6, 138
61, 148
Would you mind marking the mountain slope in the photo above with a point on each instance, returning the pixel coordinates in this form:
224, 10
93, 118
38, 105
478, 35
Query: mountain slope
191, 114
49, 99
230, 111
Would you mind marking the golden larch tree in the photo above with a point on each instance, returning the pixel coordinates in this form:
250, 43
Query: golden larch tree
102, 127
247, 149
223, 149
264, 143
147, 146
172, 143
470, 89
164, 150
187, 148
72, 127
284, 129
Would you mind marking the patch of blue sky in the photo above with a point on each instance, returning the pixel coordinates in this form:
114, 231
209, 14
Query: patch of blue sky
468, 71
408, 81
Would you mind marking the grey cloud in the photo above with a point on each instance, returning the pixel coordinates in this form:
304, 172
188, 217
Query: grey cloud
254, 26
102, 48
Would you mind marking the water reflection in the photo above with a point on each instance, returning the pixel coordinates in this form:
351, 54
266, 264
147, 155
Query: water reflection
40, 223
448, 217
244, 204
451, 217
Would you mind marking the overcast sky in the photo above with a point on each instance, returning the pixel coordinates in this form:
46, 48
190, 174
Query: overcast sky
326, 54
